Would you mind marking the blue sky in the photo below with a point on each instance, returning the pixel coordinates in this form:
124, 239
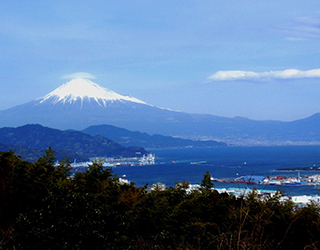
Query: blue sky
256, 59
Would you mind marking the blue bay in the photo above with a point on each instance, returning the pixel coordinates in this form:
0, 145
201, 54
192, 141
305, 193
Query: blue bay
175, 165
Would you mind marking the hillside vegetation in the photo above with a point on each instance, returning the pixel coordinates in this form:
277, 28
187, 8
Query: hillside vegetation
44, 207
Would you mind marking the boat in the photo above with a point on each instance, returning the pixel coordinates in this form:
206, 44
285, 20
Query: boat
294, 183
198, 162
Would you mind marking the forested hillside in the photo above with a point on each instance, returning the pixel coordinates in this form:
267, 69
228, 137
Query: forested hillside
44, 207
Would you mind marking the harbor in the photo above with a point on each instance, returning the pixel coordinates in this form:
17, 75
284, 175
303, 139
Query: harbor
279, 180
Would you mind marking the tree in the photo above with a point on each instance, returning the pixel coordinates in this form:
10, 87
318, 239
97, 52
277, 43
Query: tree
206, 184
63, 169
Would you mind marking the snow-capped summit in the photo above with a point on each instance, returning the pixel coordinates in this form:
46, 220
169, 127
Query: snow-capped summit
79, 89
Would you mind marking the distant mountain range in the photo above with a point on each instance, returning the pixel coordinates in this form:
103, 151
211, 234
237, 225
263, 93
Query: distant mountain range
30, 141
81, 103
129, 138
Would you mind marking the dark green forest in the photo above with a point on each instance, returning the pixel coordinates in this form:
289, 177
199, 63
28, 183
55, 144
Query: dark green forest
43, 206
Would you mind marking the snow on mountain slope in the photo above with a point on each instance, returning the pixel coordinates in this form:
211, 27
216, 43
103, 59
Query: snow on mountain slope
81, 89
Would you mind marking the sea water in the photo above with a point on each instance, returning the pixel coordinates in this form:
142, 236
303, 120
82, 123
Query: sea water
176, 165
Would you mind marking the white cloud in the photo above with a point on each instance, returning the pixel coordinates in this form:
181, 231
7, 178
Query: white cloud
303, 28
79, 75
250, 75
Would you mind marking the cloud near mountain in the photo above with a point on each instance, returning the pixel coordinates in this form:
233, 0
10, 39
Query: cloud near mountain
233, 75
79, 75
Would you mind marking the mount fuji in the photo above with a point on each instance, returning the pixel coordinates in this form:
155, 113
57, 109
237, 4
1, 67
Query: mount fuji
78, 104
81, 103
